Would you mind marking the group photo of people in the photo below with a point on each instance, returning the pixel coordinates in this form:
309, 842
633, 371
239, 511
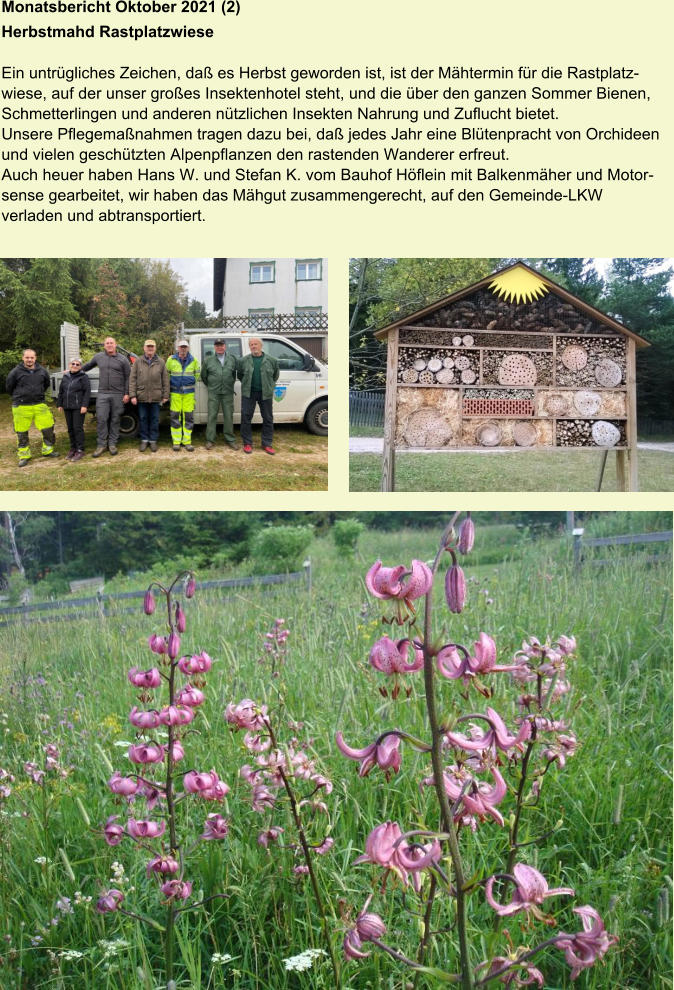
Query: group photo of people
199, 382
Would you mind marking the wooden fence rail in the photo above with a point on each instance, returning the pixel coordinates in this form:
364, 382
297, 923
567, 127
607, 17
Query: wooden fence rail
580, 542
100, 602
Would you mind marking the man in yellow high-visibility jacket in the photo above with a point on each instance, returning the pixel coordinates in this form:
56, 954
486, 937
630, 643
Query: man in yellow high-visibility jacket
27, 384
183, 372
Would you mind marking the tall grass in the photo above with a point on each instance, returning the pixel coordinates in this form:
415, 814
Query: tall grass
610, 807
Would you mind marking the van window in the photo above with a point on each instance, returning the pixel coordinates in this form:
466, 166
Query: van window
288, 358
233, 346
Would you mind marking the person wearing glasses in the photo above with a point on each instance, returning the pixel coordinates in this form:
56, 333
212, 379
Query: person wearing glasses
73, 402
149, 390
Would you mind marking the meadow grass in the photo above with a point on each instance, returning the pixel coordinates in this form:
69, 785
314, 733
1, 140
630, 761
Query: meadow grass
560, 471
300, 464
609, 809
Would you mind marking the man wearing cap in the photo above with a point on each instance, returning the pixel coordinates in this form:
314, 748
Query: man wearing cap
258, 373
27, 384
219, 375
113, 394
149, 389
183, 372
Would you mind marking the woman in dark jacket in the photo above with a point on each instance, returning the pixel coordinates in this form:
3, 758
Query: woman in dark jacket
73, 401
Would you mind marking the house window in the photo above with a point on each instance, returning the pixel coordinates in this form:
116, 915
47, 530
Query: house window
308, 271
260, 319
307, 317
262, 272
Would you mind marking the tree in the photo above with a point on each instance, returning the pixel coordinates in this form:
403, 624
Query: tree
639, 295
384, 290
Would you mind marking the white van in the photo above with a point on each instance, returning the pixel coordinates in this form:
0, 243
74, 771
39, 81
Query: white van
301, 392
300, 395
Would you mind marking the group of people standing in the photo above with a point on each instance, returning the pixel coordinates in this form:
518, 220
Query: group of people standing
148, 383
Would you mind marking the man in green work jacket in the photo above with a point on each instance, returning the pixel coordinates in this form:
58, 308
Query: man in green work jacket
258, 373
218, 375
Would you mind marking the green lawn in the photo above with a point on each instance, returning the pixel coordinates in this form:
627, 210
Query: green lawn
602, 824
528, 471
300, 464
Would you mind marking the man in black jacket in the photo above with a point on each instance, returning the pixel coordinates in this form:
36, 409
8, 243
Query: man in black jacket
113, 394
27, 384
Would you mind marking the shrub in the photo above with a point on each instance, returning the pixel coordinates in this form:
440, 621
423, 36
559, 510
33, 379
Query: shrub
345, 533
280, 548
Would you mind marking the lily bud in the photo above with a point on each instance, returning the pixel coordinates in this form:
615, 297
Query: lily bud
180, 620
466, 535
455, 589
173, 646
149, 603
190, 587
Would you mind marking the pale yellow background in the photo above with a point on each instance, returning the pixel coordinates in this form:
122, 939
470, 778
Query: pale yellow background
355, 33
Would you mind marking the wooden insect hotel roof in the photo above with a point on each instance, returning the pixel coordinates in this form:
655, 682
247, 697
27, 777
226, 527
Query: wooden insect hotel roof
526, 308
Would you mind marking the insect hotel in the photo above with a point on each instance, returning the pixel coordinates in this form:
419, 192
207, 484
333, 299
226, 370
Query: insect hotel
511, 362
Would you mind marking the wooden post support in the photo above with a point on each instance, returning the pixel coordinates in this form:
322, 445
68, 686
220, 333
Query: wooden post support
602, 467
621, 475
388, 461
631, 425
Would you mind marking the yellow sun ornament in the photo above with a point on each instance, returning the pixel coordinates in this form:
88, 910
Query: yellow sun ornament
518, 285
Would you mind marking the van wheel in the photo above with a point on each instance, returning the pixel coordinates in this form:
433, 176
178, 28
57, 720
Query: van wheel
128, 424
316, 419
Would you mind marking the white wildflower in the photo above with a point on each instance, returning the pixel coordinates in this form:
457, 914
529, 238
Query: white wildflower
304, 960
70, 955
219, 958
41, 860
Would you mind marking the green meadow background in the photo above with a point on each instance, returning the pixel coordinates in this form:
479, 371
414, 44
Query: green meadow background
608, 812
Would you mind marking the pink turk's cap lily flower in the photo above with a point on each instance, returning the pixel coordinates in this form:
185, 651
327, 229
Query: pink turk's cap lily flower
246, 715
162, 864
415, 858
380, 845
196, 783
157, 643
146, 752
145, 678
177, 890
368, 926
325, 846
496, 737
176, 715
144, 720
126, 786
584, 948
531, 889
113, 834
190, 696
385, 582
384, 754
466, 535
177, 751
269, 835
391, 657
215, 827
173, 645
145, 829
455, 589
199, 663
149, 604
566, 644
110, 901
533, 974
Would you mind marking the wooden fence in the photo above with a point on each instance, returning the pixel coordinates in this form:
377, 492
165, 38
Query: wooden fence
580, 543
366, 408
102, 605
